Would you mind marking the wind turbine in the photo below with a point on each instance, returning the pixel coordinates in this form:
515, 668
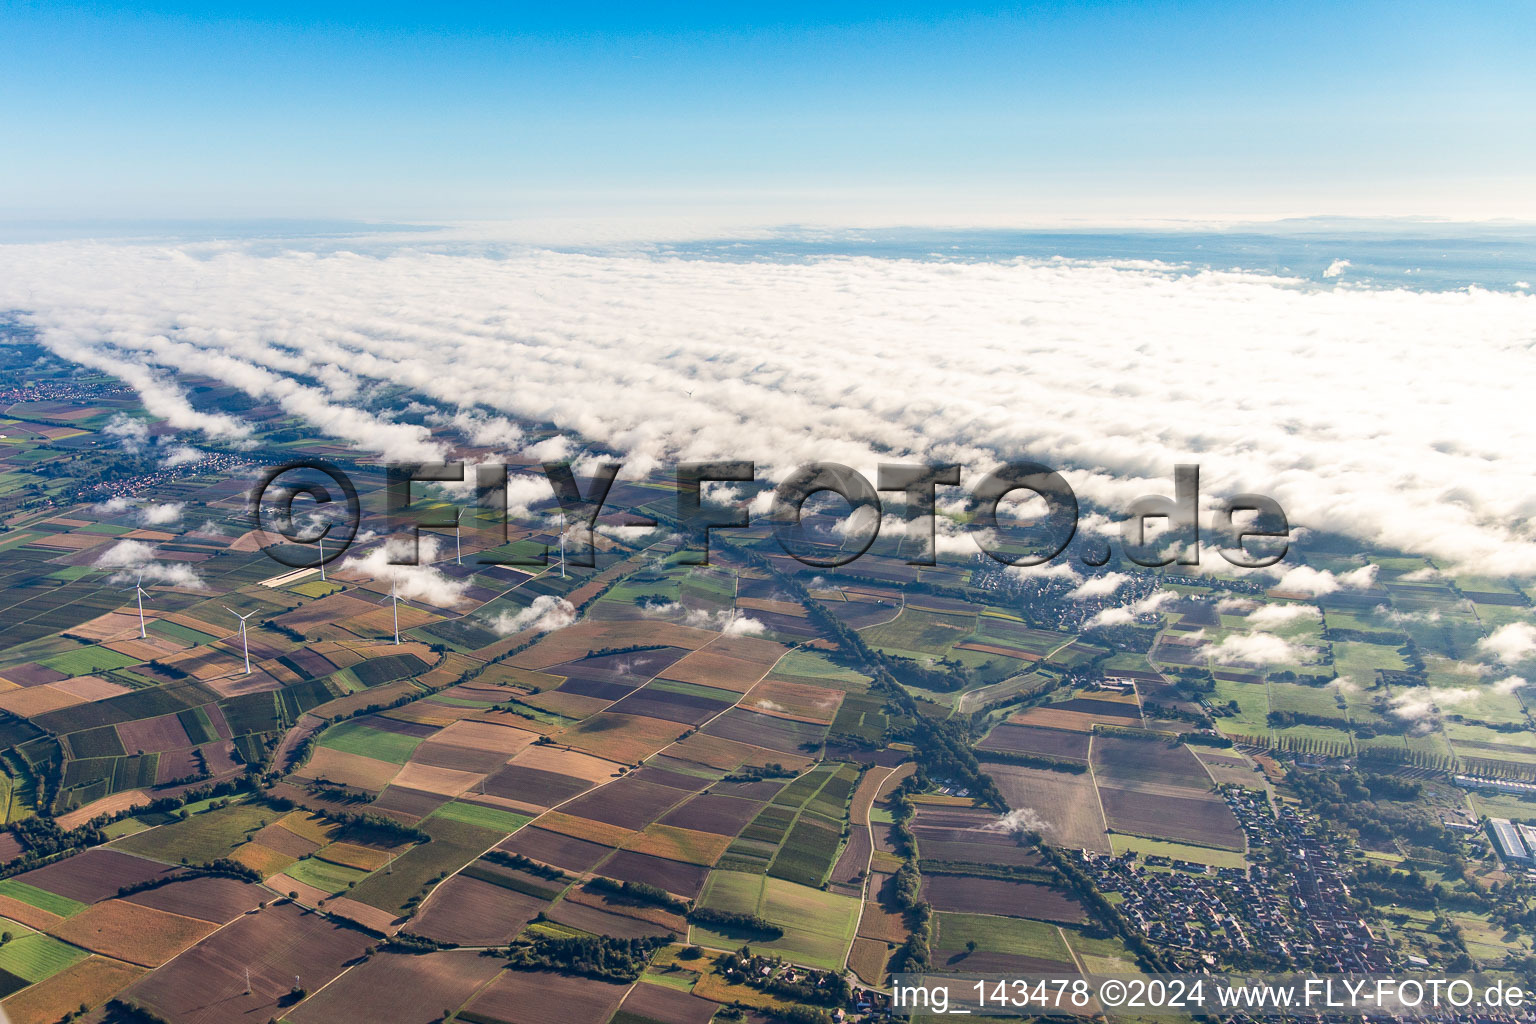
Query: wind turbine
394, 604
244, 643
458, 552
139, 592
562, 544
322, 557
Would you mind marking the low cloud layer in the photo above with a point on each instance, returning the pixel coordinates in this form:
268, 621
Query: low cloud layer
132, 561
1339, 402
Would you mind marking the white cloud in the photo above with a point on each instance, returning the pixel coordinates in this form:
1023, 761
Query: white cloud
728, 621
419, 582
1428, 574
1256, 649
1422, 702
1099, 586
164, 514
546, 614
1025, 819
1509, 684
1303, 579
1045, 571
1335, 268
133, 433
181, 455
1337, 402
1511, 644
1128, 613
1271, 615
135, 560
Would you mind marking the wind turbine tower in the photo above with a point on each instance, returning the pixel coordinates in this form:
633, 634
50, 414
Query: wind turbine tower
244, 643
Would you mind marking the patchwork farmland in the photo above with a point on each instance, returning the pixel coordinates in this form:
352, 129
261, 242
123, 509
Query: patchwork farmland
517, 816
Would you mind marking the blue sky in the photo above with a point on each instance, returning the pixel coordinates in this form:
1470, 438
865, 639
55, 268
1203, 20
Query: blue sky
885, 113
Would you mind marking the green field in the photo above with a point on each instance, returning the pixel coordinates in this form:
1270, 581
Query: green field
185, 634
920, 635
89, 660
38, 956
42, 899
324, 875
485, 817
1001, 935
354, 737
818, 926
201, 837
1120, 842
410, 875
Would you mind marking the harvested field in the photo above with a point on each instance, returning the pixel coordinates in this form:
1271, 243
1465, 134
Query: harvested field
628, 802
681, 844
90, 982
352, 855
1201, 819
673, 707
666, 1005
778, 734
623, 738
584, 828
1048, 717
441, 781
686, 880
27, 914
1147, 765
719, 752
264, 860
532, 787
453, 757
132, 932
868, 958
400, 988
1066, 801
566, 762
1026, 739
93, 875
794, 700
641, 910
349, 769
368, 917
561, 851
545, 997
219, 900
151, 735
471, 912
402, 801
37, 700
722, 815
601, 922
577, 640
864, 795
854, 860
569, 705
967, 895
731, 663
90, 688
206, 984
502, 739
276, 837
